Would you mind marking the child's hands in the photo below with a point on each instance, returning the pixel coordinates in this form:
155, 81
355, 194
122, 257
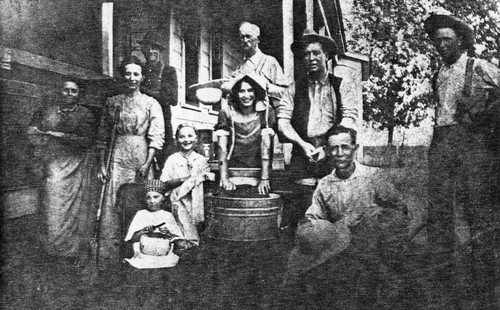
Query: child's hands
147, 229
210, 176
137, 235
164, 229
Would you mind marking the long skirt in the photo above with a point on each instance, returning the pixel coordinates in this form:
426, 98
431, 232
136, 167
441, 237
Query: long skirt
67, 205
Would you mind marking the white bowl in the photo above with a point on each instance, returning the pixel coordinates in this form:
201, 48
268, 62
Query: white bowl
209, 95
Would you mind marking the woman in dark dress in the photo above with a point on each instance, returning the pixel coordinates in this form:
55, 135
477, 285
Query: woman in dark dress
62, 133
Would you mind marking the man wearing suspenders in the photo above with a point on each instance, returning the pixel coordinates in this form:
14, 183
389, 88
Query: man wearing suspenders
463, 211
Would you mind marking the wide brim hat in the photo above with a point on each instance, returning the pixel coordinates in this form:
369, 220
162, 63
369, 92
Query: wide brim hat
153, 38
437, 21
310, 36
259, 81
316, 241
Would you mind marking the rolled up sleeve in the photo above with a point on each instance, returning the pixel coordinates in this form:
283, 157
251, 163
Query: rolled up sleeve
156, 132
351, 100
223, 126
318, 206
285, 108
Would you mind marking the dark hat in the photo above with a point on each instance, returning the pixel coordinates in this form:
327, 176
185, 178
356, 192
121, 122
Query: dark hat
310, 36
316, 242
153, 38
437, 21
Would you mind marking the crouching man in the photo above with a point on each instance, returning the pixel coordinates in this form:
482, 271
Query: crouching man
352, 236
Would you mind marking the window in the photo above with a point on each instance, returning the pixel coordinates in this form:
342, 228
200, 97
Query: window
192, 41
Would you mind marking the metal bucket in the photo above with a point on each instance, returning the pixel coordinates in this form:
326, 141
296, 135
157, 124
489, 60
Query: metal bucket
243, 219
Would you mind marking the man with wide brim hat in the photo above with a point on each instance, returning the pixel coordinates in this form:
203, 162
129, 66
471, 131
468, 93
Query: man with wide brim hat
356, 216
437, 21
310, 36
317, 101
466, 115
160, 82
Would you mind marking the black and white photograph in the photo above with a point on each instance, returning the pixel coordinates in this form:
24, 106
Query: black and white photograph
250, 154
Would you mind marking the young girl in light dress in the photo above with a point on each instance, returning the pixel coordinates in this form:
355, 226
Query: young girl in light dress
153, 222
184, 173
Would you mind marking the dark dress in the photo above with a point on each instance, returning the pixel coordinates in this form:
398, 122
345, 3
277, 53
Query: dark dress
66, 197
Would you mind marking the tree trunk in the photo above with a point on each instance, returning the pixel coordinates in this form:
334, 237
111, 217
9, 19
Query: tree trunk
391, 135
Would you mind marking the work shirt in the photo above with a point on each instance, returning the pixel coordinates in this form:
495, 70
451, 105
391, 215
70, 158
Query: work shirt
323, 104
366, 188
266, 66
450, 85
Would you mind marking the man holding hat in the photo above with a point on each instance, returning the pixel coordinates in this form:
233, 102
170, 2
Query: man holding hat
462, 160
160, 82
311, 106
355, 227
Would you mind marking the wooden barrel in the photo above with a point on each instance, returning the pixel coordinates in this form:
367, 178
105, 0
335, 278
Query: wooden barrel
243, 219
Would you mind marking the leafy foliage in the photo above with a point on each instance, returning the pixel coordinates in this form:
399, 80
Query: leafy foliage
403, 60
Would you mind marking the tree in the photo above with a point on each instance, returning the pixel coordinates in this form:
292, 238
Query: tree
399, 92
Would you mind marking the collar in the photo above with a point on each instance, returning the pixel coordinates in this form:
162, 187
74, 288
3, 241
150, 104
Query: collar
321, 81
68, 109
359, 170
260, 106
461, 62
256, 57
155, 68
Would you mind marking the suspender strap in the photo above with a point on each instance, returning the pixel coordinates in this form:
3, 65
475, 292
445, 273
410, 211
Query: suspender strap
469, 71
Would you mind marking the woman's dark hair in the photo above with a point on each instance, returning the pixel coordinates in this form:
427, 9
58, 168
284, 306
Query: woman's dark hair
260, 94
183, 126
341, 129
131, 60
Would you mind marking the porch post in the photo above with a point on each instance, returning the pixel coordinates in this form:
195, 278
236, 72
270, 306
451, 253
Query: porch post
107, 38
288, 39
309, 14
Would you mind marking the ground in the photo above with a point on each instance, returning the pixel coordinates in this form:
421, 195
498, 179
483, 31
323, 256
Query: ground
222, 275
219, 276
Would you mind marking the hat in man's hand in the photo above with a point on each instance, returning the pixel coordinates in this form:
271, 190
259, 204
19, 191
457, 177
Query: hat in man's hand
153, 38
310, 36
437, 21
316, 242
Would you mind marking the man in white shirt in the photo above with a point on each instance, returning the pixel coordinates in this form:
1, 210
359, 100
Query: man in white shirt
312, 105
463, 211
256, 62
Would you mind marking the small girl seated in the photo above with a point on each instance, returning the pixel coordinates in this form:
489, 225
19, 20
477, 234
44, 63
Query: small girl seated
245, 132
184, 173
154, 232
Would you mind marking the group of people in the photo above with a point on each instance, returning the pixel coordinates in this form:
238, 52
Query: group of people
349, 209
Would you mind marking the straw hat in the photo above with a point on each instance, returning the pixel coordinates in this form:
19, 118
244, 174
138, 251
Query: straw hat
259, 82
155, 186
310, 36
317, 241
437, 21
